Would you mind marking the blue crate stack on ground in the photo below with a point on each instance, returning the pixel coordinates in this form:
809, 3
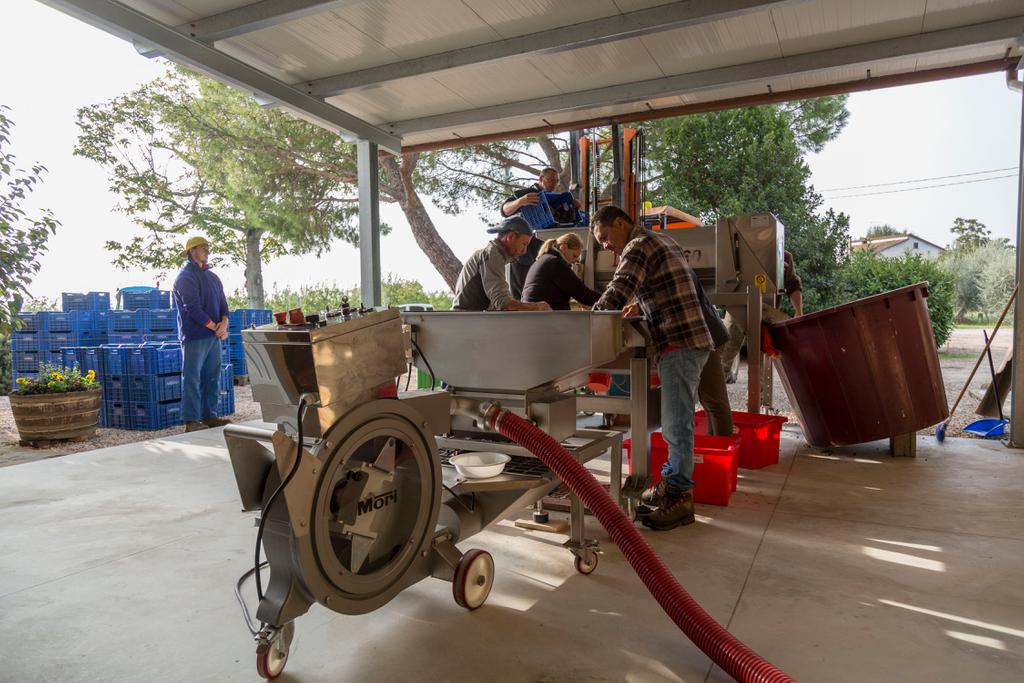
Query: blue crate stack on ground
238, 320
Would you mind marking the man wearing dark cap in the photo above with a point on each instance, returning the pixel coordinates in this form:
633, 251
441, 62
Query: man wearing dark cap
482, 285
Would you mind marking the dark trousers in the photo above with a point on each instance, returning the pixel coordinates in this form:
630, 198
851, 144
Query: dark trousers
714, 397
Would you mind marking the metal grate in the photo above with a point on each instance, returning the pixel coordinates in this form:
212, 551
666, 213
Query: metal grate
521, 465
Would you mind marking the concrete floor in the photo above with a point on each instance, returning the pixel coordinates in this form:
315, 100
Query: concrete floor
119, 565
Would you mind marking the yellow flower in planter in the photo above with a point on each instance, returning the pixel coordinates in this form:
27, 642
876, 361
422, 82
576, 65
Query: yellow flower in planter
91, 375
22, 380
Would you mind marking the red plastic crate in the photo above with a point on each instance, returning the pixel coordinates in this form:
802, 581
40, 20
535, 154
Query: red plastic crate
715, 468
759, 436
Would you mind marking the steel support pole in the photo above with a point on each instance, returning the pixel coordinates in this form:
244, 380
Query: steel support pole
618, 181
1017, 385
369, 224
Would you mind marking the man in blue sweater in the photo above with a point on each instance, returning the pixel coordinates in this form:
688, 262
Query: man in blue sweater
202, 324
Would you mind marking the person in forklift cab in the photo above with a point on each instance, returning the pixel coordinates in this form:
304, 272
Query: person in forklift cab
791, 287
547, 181
481, 285
552, 279
654, 269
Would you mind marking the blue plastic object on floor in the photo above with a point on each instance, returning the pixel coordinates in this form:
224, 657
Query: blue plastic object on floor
989, 428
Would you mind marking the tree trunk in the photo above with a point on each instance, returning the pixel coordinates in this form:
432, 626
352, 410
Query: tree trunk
254, 268
400, 187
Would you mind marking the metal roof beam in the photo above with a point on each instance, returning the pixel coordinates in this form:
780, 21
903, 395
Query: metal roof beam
256, 16
617, 27
127, 23
920, 44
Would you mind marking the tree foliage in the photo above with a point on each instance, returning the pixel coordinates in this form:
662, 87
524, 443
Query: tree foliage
313, 298
884, 230
752, 160
867, 274
190, 155
23, 235
970, 234
983, 278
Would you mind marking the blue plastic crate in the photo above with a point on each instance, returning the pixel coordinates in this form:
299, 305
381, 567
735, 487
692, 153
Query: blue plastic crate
154, 389
115, 359
125, 338
239, 367
226, 403
98, 301
103, 414
70, 357
116, 388
30, 322
243, 318
160, 337
163, 320
160, 359
99, 321
90, 358
73, 301
157, 298
126, 321
26, 361
27, 341
538, 215
58, 340
225, 353
93, 339
119, 414
150, 416
57, 321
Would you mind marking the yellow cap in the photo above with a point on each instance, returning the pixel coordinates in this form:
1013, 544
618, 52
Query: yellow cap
192, 243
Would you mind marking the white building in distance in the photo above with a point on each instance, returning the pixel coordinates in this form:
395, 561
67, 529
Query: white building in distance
893, 246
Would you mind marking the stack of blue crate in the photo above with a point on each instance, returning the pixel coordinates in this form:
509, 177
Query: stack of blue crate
43, 337
239, 320
143, 386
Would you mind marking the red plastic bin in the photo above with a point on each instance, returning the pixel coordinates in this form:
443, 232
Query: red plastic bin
759, 437
715, 461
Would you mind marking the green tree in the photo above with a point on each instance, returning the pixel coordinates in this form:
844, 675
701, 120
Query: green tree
189, 154
884, 230
867, 274
22, 236
752, 160
970, 234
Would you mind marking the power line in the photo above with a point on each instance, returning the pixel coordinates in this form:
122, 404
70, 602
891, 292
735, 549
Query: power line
919, 180
924, 187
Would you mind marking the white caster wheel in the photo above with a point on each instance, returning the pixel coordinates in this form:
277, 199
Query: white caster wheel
586, 564
474, 576
272, 654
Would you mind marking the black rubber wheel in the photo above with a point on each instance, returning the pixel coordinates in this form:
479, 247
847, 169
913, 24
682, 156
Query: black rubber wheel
474, 577
587, 566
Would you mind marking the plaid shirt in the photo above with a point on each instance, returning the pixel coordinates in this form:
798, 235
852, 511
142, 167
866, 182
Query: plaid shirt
653, 268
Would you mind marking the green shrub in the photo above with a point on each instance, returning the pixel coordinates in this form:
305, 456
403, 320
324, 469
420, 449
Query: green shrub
313, 298
866, 274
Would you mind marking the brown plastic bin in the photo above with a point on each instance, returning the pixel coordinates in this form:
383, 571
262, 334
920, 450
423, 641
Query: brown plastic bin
863, 371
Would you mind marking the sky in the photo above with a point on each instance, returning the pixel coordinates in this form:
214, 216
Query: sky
54, 65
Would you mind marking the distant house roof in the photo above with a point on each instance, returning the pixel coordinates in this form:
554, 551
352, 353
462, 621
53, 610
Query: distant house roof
879, 244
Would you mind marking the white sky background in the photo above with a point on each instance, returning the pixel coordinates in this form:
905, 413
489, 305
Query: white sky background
54, 65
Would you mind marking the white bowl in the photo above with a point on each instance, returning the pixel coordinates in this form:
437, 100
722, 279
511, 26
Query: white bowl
479, 465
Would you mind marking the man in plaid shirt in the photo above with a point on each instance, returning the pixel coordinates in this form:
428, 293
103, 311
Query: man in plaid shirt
653, 269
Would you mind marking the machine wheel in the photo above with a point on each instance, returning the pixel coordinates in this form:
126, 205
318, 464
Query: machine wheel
272, 654
474, 576
586, 564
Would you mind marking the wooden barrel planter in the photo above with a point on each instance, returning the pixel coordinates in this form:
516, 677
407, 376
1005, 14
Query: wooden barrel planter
41, 418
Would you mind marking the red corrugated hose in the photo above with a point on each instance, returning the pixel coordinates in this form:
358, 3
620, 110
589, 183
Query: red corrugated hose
738, 660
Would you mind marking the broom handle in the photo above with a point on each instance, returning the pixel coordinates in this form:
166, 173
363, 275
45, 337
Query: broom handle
984, 351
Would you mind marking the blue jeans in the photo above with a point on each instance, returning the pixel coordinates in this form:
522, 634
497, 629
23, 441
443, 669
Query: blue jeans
680, 373
200, 379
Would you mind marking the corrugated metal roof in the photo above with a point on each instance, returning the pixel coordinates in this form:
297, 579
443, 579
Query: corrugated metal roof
441, 70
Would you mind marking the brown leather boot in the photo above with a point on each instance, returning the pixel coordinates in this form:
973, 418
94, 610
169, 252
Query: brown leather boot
676, 509
216, 422
193, 426
655, 495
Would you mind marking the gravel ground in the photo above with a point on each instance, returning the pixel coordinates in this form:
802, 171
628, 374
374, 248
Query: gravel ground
956, 358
